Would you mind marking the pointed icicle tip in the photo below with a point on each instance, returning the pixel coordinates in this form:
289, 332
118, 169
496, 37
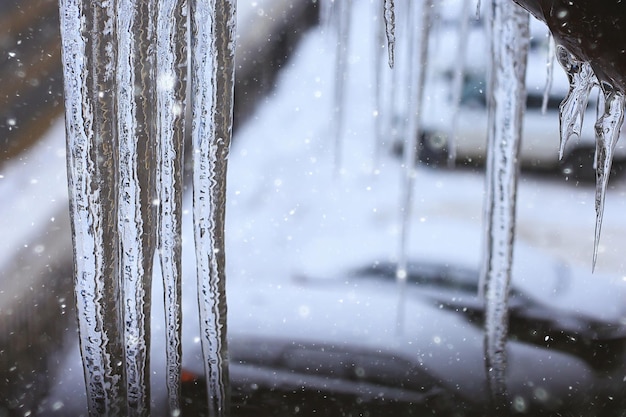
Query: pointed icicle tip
607, 134
390, 29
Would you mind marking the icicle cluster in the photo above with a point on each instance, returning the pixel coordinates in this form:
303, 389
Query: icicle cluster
589, 47
125, 96
611, 105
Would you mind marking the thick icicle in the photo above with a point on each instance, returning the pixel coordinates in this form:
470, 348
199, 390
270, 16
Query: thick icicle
344, 9
390, 29
135, 71
212, 78
607, 134
458, 81
572, 109
88, 50
171, 90
420, 17
506, 106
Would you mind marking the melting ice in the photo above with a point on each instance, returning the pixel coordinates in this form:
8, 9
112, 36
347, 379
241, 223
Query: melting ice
124, 157
509, 50
390, 28
589, 37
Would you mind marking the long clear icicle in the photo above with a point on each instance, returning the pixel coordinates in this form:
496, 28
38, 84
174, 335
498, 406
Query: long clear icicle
136, 24
171, 90
572, 110
509, 49
607, 134
390, 29
379, 88
549, 74
458, 80
88, 66
344, 10
611, 103
327, 12
420, 17
212, 78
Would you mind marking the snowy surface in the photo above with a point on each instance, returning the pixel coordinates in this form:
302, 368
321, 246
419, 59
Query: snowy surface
289, 217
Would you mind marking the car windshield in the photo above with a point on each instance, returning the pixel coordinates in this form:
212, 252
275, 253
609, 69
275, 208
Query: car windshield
342, 298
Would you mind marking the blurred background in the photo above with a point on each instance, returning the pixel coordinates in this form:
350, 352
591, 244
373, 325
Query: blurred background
304, 236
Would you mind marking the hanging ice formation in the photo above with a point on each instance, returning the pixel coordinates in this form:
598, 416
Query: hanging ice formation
89, 71
170, 95
212, 78
125, 106
572, 109
549, 74
506, 107
389, 82
378, 92
343, 23
390, 28
419, 15
611, 114
458, 81
589, 38
327, 12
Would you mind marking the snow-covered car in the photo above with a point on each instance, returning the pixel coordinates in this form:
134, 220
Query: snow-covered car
351, 344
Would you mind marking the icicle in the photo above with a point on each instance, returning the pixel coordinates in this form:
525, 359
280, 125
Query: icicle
420, 16
607, 134
572, 109
549, 74
478, 6
327, 12
212, 80
171, 86
390, 29
135, 71
378, 91
341, 62
458, 81
509, 49
88, 66
600, 108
